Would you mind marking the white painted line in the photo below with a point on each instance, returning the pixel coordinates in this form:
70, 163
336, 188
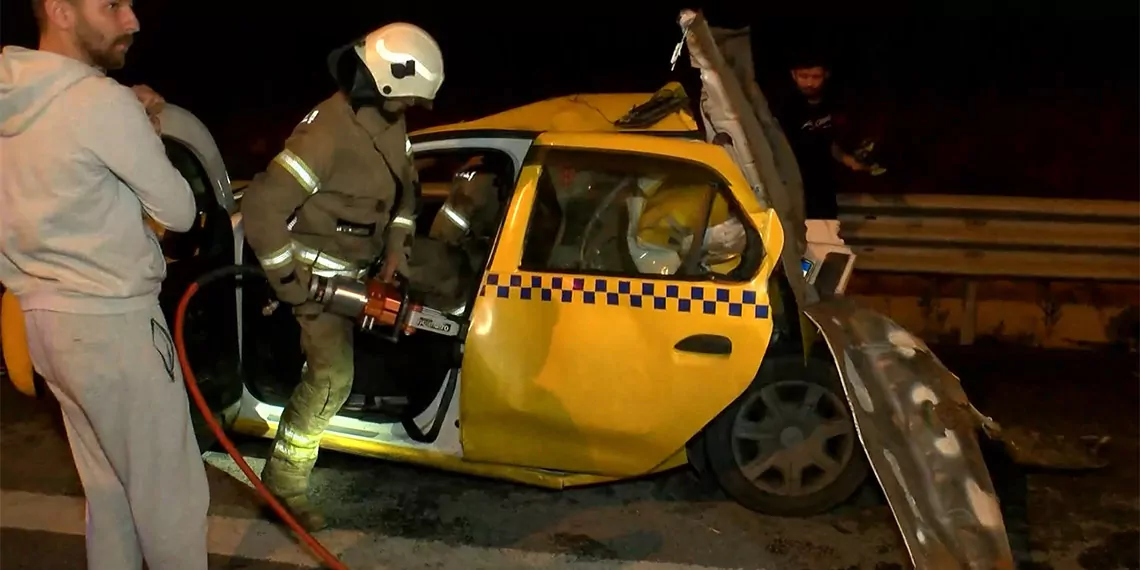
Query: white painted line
263, 540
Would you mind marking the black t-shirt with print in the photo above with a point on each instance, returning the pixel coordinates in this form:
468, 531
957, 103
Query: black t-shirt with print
810, 129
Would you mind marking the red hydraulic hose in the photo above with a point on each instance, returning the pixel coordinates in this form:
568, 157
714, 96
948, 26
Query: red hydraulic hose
192, 385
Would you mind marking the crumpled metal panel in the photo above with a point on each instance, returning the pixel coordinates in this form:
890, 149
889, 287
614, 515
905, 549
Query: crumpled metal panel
736, 116
920, 433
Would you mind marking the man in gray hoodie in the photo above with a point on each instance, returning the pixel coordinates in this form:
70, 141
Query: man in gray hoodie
80, 165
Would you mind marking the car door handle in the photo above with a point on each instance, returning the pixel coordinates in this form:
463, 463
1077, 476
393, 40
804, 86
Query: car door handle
705, 344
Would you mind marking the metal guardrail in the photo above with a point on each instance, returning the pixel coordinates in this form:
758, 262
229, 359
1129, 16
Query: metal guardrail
993, 236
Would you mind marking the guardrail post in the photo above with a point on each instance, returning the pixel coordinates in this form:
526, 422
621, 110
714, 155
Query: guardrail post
969, 314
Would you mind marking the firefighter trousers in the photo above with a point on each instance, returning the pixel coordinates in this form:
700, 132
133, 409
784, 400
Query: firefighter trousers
127, 415
326, 381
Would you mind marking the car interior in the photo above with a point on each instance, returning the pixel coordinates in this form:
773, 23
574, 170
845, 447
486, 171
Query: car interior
599, 214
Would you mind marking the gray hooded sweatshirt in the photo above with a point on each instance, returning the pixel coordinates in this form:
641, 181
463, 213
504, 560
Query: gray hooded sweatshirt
79, 165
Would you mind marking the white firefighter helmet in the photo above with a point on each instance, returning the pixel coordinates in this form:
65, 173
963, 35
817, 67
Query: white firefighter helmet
404, 60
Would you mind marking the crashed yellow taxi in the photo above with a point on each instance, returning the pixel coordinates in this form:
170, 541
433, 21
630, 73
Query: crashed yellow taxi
645, 297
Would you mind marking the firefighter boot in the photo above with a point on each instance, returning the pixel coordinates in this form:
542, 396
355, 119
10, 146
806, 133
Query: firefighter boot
286, 475
326, 380
297, 443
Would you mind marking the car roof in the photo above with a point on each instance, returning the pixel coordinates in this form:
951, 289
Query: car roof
585, 112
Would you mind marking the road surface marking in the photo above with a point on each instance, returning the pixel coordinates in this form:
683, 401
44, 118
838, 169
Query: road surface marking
263, 540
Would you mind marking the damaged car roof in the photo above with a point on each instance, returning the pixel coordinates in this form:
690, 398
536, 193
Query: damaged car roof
587, 112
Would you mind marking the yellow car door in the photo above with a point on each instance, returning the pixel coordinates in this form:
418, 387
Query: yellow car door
609, 328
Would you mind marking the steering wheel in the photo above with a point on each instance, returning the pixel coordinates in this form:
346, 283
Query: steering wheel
589, 254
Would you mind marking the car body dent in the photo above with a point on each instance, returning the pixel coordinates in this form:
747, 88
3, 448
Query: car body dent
535, 407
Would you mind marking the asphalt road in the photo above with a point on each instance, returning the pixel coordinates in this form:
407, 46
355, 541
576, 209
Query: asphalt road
397, 517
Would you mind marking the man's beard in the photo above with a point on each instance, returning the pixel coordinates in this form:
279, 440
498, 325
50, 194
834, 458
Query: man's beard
102, 52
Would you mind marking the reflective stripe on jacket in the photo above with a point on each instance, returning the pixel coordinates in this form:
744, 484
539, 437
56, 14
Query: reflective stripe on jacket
339, 195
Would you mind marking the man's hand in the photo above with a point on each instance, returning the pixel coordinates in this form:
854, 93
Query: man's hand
854, 164
153, 103
391, 263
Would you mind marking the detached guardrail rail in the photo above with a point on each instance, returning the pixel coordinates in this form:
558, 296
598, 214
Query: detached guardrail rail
991, 236
988, 238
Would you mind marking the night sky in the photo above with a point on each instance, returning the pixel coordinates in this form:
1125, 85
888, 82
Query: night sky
1029, 99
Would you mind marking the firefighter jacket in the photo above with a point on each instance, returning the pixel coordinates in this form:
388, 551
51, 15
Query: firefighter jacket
471, 209
470, 216
341, 193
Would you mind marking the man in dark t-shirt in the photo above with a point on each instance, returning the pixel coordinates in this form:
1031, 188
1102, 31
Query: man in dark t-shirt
809, 120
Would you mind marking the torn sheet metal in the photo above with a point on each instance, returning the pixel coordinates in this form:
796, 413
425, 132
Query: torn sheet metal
1030, 448
920, 433
736, 116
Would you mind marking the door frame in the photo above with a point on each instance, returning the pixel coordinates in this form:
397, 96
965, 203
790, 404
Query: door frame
182, 128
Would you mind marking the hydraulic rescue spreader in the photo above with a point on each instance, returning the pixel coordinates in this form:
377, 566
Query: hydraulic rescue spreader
373, 303
385, 309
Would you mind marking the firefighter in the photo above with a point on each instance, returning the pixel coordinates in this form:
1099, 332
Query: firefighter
341, 195
460, 236
472, 208
470, 216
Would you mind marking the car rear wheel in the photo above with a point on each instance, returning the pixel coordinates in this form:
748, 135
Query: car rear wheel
205, 437
787, 446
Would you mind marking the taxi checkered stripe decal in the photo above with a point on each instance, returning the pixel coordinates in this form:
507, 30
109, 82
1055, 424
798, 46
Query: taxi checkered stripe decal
687, 298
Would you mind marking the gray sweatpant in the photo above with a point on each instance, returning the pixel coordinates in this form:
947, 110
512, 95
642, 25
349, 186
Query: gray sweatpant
127, 415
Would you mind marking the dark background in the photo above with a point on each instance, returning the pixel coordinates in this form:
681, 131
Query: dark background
971, 97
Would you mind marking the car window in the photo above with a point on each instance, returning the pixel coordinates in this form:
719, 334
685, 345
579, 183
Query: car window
635, 215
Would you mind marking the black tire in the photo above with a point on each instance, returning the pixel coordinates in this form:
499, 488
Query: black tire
202, 432
783, 374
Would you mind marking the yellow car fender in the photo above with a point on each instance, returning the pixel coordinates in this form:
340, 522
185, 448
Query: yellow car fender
14, 344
